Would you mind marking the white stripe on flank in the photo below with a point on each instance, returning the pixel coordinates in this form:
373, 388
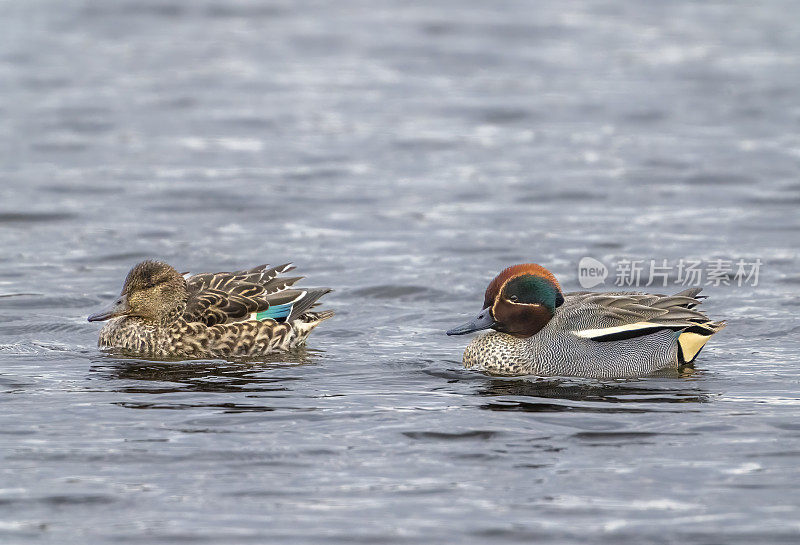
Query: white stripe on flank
591, 333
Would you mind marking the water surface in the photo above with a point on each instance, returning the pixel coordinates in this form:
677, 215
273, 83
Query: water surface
402, 155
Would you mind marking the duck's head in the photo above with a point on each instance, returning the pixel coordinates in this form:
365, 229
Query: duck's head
519, 301
153, 292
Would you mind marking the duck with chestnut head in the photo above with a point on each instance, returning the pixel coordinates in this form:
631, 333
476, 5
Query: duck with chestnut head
541, 331
163, 313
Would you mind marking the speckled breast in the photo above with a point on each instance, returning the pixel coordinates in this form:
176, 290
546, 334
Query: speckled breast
498, 353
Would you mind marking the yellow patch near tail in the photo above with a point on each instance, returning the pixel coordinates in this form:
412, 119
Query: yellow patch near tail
691, 342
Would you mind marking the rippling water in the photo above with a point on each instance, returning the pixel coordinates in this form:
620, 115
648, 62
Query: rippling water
402, 155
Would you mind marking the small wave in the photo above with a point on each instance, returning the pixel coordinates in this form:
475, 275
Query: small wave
35, 217
445, 436
391, 291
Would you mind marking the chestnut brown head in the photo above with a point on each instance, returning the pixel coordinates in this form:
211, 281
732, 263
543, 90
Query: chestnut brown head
519, 301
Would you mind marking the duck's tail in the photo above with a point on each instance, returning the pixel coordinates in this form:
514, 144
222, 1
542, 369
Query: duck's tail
692, 339
303, 325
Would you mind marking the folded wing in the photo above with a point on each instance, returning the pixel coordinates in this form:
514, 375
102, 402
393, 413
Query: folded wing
618, 316
258, 293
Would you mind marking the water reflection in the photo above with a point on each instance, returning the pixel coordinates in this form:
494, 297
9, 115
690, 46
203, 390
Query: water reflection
265, 374
639, 392
262, 386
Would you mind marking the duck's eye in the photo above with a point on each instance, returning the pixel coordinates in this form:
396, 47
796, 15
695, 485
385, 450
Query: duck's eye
513, 298
152, 284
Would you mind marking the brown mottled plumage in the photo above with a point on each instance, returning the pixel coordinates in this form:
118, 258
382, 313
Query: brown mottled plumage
238, 314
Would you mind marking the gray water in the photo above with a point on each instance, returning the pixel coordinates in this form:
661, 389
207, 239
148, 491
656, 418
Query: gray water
402, 154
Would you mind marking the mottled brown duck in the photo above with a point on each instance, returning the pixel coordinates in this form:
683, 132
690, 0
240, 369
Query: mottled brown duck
249, 313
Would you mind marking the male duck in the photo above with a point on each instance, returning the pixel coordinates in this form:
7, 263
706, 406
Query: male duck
161, 313
540, 331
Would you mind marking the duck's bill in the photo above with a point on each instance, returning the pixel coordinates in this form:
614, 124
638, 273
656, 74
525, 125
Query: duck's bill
117, 308
484, 320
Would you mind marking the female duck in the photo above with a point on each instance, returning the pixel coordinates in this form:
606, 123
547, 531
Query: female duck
245, 313
539, 330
